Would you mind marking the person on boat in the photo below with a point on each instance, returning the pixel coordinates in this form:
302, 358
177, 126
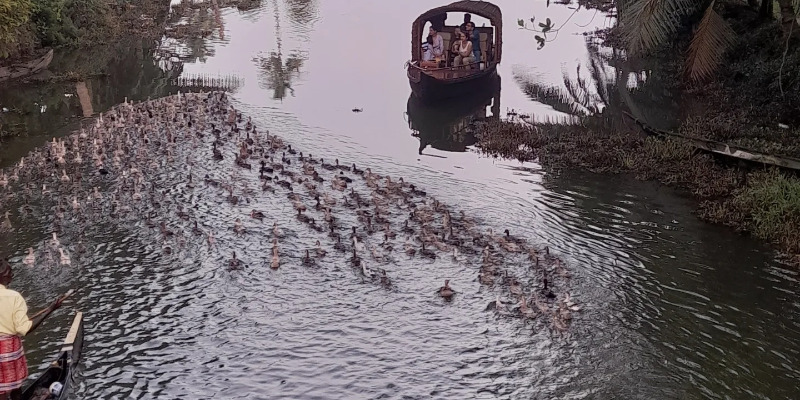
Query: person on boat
464, 56
467, 19
14, 323
454, 47
427, 49
437, 49
475, 37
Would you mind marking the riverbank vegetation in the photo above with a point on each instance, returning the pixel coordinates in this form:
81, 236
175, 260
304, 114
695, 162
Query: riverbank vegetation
748, 98
28, 25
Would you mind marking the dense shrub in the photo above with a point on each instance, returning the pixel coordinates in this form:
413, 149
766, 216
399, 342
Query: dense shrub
14, 15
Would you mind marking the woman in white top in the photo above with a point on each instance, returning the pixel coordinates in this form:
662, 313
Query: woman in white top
464, 56
434, 54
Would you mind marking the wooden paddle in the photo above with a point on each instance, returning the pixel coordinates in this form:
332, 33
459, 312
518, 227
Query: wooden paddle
41, 315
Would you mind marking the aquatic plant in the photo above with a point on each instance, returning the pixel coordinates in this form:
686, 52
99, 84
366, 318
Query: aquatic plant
772, 201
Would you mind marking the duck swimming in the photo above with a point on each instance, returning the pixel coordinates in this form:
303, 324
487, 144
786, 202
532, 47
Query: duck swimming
234, 263
30, 258
307, 260
446, 292
257, 215
547, 292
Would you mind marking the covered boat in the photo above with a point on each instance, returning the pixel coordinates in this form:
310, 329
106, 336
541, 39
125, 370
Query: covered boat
445, 79
56, 381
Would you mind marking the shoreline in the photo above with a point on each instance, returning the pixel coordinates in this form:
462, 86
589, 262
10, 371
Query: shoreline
736, 108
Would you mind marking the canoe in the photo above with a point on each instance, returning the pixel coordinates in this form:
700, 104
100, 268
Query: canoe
432, 83
27, 68
61, 369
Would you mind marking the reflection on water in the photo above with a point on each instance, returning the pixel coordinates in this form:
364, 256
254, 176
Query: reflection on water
451, 125
674, 308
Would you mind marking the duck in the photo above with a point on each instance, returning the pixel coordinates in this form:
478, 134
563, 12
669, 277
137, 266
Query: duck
64, 259
427, 252
196, 229
339, 246
276, 232
410, 250
366, 271
524, 309
307, 260
80, 248
30, 258
570, 304
446, 292
496, 305
319, 250
356, 260
234, 263
303, 218
546, 291
6, 224
257, 215
514, 287
385, 282
276, 260
238, 227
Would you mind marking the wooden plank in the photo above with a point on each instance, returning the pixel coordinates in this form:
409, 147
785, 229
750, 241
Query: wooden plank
73, 330
725, 149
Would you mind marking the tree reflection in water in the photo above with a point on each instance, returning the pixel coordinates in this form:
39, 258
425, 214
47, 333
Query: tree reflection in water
606, 88
278, 72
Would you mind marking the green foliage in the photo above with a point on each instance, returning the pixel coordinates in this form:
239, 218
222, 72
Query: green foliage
773, 201
53, 25
13, 15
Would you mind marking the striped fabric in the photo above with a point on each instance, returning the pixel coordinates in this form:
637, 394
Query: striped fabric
13, 366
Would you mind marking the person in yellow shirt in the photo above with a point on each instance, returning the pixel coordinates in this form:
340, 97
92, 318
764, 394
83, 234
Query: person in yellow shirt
14, 323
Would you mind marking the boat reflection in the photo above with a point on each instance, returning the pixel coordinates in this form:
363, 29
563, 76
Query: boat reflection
451, 124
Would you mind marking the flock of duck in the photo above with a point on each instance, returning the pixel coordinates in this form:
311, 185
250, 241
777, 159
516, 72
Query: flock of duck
103, 171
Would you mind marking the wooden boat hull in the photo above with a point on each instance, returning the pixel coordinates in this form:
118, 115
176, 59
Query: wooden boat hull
28, 68
61, 369
430, 89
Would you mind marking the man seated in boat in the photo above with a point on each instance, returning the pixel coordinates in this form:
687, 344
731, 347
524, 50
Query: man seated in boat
467, 19
14, 323
433, 58
475, 38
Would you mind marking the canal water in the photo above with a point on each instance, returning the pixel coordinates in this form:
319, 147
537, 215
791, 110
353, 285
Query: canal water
671, 307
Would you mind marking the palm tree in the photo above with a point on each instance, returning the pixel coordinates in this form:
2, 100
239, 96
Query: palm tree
649, 23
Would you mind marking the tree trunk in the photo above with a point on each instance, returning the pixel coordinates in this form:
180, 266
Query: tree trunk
753, 3
766, 9
788, 18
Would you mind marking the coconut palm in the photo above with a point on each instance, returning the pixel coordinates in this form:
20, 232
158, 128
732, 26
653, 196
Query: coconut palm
649, 23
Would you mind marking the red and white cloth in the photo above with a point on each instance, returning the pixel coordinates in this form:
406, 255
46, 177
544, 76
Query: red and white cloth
13, 366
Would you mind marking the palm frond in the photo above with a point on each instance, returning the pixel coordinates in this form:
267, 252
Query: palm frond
648, 23
712, 38
553, 97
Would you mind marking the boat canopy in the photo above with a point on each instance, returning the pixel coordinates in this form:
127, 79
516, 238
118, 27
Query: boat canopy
480, 8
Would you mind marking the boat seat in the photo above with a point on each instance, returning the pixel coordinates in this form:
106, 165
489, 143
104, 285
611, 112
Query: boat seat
486, 44
447, 39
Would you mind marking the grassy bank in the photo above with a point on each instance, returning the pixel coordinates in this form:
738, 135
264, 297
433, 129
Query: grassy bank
746, 106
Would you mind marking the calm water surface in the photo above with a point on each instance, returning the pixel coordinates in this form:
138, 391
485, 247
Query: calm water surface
672, 307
